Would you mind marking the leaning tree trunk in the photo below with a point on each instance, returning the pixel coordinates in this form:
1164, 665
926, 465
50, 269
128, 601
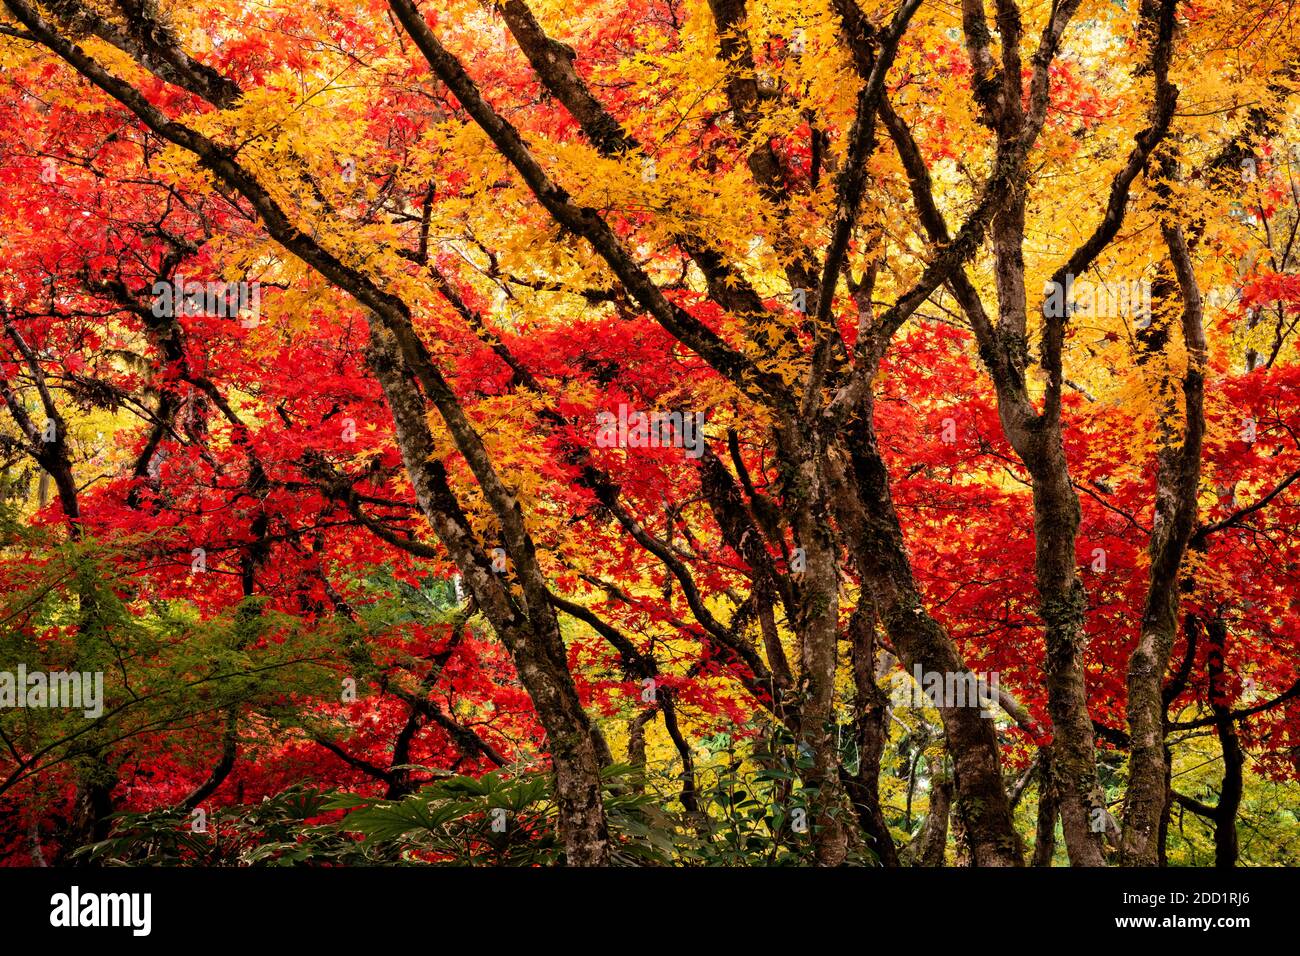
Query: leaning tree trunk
865, 506
539, 657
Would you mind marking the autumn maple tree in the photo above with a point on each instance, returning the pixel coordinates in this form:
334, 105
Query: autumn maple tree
350, 361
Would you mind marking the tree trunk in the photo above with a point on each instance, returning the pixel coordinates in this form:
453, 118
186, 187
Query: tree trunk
866, 509
1074, 765
934, 834
540, 660
1178, 471
1048, 811
871, 726
1234, 760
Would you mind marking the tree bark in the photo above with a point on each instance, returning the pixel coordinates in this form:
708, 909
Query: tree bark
871, 727
1234, 760
539, 658
865, 506
1048, 812
1178, 473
